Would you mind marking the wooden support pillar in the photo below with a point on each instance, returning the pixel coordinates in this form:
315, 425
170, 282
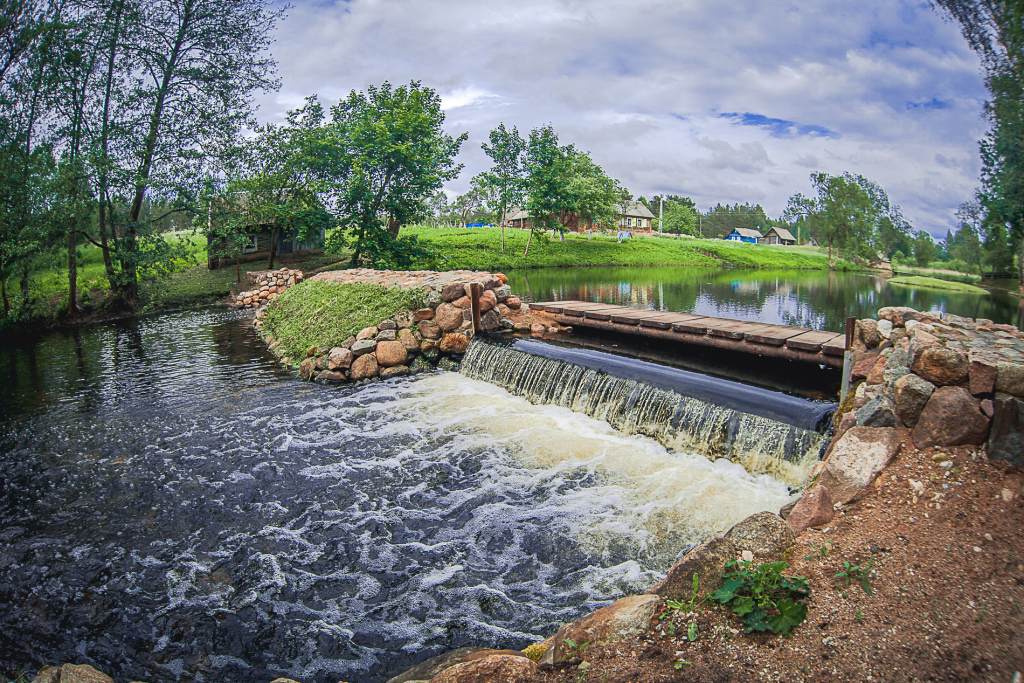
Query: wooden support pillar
474, 299
851, 327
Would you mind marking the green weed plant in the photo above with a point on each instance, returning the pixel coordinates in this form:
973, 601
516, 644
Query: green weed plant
762, 597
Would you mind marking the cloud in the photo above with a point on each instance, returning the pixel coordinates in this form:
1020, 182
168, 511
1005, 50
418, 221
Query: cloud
731, 101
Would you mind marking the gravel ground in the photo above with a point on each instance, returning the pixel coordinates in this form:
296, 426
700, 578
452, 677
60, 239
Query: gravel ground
944, 529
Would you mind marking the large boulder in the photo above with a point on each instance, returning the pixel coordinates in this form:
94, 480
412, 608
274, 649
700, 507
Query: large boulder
409, 341
941, 366
912, 394
487, 301
899, 315
765, 534
877, 373
812, 510
366, 333
1010, 379
868, 332
391, 353
878, 412
364, 367
506, 668
449, 317
514, 302
453, 291
82, 673
429, 330
454, 343
339, 359
394, 371
952, 417
625, 619
1006, 438
982, 373
423, 314
884, 328
426, 670
364, 346
856, 460
707, 561
863, 362
490, 321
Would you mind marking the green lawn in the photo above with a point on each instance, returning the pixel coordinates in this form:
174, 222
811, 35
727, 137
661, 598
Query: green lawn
932, 283
480, 249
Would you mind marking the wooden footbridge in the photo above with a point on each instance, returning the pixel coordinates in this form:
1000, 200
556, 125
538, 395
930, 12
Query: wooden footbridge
778, 341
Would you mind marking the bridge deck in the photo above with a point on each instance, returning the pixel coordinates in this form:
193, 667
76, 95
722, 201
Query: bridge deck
780, 341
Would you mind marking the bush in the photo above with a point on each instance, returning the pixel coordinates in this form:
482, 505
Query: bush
762, 597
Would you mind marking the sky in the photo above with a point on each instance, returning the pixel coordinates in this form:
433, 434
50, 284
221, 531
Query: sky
724, 102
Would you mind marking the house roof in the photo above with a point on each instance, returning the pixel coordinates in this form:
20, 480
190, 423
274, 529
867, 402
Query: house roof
748, 232
633, 209
783, 234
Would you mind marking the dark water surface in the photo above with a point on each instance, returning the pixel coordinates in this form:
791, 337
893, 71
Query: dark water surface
173, 506
816, 299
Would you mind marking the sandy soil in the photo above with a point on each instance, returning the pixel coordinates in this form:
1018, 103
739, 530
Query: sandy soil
948, 584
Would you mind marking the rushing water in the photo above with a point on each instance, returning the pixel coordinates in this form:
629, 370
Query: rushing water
173, 506
817, 299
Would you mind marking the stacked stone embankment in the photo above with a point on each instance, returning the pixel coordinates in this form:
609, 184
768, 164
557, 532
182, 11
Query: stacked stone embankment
408, 341
265, 286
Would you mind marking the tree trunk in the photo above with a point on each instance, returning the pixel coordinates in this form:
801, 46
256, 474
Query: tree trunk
238, 269
275, 235
72, 275
1020, 266
529, 237
503, 229
394, 227
24, 282
3, 291
108, 264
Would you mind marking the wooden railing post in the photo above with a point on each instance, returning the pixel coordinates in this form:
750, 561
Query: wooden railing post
474, 300
851, 328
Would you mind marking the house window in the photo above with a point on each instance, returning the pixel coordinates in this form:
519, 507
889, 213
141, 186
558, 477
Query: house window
629, 222
249, 245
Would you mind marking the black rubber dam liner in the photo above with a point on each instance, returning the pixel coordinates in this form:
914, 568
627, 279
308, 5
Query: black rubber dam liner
765, 431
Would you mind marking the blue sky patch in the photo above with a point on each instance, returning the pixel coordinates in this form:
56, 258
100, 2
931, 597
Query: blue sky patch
933, 103
779, 128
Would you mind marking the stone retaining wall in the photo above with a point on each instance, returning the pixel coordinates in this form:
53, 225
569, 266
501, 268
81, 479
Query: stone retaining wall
266, 286
410, 341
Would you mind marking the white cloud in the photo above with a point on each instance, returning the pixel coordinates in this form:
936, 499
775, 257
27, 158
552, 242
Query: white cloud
726, 102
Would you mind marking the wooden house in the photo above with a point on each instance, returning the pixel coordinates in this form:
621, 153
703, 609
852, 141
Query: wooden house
779, 236
633, 217
748, 235
260, 233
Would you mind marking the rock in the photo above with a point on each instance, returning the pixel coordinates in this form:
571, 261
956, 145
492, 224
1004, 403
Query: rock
347, 344
952, 417
514, 302
899, 335
452, 292
488, 301
306, 368
434, 299
884, 328
982, 376
877, 374
366, 333
1010, 378
521, 327
507, 324
878, 412
284, 680
364, 346
331, 376
862, 365
386, 335
364, 367
503, 310
814, 509
867, 330
395, 371
423, 314
82, 673
899, 315
502, 293
764, 533
387, 325
506, 668
912, 394
706, 560
429, 330
988, 408
786, 509
1006, 438
463, 302
856, 460
449, 317
490, 321
941, 367
339, 359
391, 353
625, 619
454, 343
537, 328
409, 341
435, 665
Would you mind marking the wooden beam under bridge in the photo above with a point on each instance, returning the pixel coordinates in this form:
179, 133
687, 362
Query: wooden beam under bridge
774, 341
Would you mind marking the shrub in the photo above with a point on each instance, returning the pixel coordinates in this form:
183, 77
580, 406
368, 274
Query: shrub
762, 597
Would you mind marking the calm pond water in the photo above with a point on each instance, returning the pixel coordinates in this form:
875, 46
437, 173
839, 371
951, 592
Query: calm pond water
175, 507
816, 299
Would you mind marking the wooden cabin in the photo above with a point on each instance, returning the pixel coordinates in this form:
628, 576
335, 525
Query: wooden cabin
748, 235
260, 232
633, 217
779, 236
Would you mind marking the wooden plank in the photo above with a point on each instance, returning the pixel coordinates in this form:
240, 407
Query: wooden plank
730, 329
633, 316
577, 310
601, 313
774, 335
835, 347
552, 306
664, 321
810, 341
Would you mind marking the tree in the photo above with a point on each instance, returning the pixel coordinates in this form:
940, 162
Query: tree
843, 212
924, 248
390, 155
966, 244
474, 200
507, 177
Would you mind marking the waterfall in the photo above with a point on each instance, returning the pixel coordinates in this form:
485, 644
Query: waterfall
765, 431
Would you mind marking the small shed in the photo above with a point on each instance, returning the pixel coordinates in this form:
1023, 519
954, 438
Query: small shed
779, 236
745, 235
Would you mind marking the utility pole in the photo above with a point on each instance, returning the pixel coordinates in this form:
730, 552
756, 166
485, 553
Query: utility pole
661, 213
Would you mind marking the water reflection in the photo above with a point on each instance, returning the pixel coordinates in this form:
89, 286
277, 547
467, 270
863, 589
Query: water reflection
816, 299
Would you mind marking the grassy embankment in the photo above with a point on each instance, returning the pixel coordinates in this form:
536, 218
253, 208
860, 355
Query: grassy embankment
480, 249
324, 314
932, 283
936, 274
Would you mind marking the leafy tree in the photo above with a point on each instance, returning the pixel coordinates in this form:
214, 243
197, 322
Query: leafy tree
390, 154
966, 244
721, 220
924, 248
507, 177
470, 204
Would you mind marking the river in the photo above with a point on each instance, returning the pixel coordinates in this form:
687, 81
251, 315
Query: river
176, 507
819, 300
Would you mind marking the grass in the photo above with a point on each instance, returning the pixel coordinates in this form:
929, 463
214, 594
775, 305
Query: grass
948, 275
480, 249
932, 283
324, 314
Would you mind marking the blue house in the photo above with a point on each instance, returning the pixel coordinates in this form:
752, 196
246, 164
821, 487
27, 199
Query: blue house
745, 235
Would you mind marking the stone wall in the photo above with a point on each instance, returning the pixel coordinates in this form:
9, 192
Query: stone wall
409, 341
951, 380
266, 286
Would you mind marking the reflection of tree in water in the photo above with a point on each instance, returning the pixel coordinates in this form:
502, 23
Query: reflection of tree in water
816, 299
